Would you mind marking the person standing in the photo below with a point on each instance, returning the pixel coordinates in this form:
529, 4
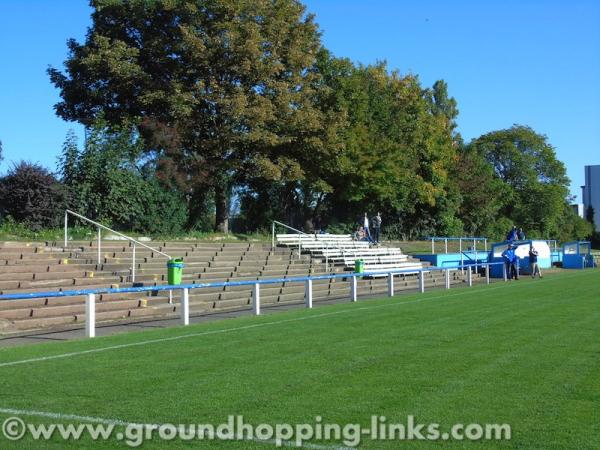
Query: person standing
533, 262
366, 228
511, 260
377, 227
512, 234
521, 234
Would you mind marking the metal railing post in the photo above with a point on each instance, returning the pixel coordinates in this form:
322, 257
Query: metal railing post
308, 294
185, 307
99, 245
504, 274
273, 236
299, 246
133, 265
327, 256
90, 316
422, 281
487, 274
353, 288
390, 284
432, 246
447, 277
462, 259
256, 299
469, 277
445, 245
66, 226
475, 248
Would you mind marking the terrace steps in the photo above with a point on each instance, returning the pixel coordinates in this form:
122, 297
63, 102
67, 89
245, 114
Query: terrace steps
47, 266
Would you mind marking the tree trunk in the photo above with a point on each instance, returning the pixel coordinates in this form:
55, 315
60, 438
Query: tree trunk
222, 209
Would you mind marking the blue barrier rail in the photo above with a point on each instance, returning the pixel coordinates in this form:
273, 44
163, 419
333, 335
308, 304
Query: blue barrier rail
91, 293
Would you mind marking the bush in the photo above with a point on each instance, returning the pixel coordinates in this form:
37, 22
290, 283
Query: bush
32, 196
108, 182
164, 212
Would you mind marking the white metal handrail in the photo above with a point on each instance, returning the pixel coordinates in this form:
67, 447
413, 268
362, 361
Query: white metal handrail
460, 240
327, 243
104, 227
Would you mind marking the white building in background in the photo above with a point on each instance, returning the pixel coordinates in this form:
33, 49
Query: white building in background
591, 193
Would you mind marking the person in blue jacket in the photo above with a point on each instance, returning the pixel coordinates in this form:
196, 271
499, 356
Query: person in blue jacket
512, 234
511, 260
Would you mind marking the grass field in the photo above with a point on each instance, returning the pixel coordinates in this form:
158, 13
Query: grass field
525, 353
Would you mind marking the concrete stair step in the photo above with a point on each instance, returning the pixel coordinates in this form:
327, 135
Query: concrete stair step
243, 294
77, 308
227, 304
42, 322
36, 276
215, 277
203, 297
291, 297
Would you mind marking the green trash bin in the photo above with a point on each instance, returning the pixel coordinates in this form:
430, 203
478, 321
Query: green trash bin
175, 271
359, 266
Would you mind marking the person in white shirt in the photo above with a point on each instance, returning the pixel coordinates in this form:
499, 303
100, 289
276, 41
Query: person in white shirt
366, 228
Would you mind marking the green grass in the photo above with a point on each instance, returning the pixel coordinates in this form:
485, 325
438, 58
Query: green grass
525, 353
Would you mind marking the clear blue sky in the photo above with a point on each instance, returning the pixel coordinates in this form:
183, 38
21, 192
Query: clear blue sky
534, 63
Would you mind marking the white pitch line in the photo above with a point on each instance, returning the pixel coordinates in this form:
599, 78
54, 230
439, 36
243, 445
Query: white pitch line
105, 421
463, 291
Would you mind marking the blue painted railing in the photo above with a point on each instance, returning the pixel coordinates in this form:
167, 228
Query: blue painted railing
91, 293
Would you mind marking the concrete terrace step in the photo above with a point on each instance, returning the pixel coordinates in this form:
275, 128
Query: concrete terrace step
38, 268
55, 310
73, 272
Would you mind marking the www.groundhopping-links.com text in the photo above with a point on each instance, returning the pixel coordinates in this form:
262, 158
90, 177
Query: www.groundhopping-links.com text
236, 429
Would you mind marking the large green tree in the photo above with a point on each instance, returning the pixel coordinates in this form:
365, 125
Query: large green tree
537, 184
483, 195
397, 153
442, 104
229, 82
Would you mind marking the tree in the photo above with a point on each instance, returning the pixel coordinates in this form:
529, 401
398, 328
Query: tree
30, 194
232, 82
483, 195
443, 105
396, 155
109, 181
536, 180
589, 215
67, 161
571, 226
